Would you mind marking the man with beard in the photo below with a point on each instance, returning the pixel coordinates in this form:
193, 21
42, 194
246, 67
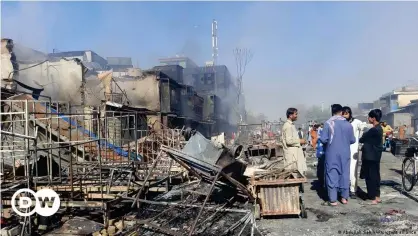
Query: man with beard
354, 149
292, 144
337, 136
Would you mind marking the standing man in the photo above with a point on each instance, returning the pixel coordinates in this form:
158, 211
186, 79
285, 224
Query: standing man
387, 130
292, 144
357, 127
308, 134
402, 132
320, 169
314, 135
337, 136
371, 156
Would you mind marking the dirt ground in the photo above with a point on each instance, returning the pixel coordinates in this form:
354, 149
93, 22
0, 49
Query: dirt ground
397, 215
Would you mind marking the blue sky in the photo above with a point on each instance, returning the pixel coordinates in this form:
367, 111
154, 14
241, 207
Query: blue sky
305, 53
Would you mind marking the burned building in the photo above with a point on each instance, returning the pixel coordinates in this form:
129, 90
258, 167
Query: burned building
154, 91
174, 72
184, 62
191, 110
216, 85
192, 104
120, 65
89, 58
209, 79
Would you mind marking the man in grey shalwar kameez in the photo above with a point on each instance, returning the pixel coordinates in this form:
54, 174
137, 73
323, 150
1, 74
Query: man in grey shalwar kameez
337, 136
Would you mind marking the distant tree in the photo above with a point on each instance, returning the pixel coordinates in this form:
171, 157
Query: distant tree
242, 56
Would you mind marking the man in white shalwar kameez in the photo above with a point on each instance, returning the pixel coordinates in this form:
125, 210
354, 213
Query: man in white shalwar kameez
354, 149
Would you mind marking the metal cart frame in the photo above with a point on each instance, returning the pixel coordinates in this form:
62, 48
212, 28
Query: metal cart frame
278, 195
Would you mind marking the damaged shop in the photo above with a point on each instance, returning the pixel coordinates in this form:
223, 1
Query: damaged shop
136, 155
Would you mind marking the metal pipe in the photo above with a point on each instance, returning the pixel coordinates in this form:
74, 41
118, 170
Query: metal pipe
146, 179
99, 135
18, 135
59, 150
71, 156
219, 209
204, 203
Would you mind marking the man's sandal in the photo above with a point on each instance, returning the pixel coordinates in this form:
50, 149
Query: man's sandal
334, 204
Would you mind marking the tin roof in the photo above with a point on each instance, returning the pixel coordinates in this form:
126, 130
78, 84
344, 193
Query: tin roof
67, 54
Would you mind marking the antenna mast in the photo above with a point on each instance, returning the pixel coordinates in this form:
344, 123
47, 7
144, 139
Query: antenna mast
215, 42
215, 52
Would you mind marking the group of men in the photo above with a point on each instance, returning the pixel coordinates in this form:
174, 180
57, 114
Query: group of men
340, 138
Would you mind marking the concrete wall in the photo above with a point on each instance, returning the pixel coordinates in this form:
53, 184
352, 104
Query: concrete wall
414, 125
405, 99
398, 119
8, 64
6, 68
61, 80
398, 101
94, 91
142, 92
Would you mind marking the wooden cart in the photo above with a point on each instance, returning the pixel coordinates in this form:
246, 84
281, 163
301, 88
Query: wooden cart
278, 192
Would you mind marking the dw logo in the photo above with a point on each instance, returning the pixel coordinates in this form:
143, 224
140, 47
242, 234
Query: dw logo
44, 198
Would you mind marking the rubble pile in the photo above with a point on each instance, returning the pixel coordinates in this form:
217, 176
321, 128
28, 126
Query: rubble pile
261, 143
166, 182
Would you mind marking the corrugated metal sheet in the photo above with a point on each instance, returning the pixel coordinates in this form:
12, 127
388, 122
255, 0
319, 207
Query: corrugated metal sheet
280, 200
202, 149
278, 193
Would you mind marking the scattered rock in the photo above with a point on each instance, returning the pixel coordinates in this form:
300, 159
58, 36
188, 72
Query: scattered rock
111, 230
129, 223
112, 222
97, 233
119, 225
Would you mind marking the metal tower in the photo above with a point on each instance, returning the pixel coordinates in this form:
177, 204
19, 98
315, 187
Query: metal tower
215, 42
215, 51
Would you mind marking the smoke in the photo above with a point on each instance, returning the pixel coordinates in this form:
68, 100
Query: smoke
229, 101
313, 53
192, 49
29, 23
304, 52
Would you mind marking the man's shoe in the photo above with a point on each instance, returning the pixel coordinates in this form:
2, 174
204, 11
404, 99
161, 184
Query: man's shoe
353, 195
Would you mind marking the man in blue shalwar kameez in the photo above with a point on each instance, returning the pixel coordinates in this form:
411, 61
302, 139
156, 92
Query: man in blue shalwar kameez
337, 136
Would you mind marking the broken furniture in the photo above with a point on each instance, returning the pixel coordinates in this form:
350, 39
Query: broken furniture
267, 149
278, 192
208, 162
256, 141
